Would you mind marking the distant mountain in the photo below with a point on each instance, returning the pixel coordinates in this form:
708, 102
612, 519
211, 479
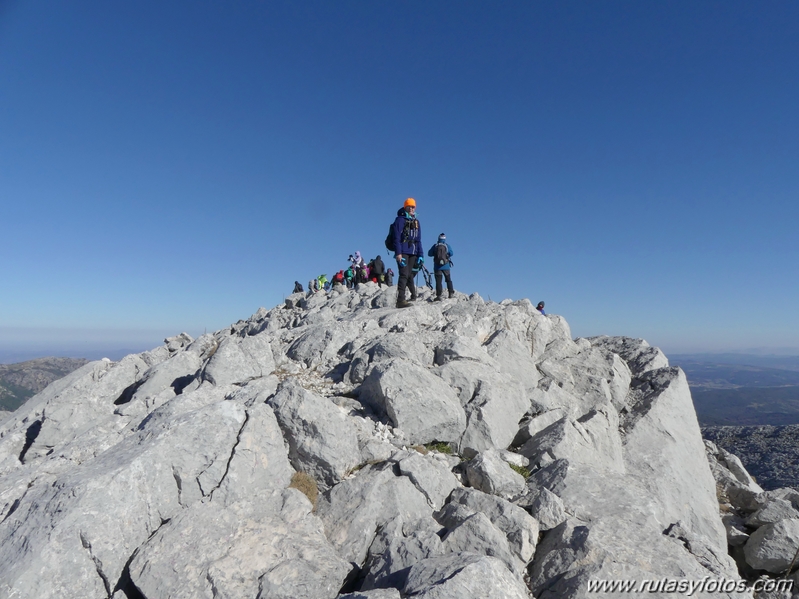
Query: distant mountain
19, 382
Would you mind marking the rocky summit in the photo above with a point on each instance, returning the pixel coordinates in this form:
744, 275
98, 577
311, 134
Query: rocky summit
337, 447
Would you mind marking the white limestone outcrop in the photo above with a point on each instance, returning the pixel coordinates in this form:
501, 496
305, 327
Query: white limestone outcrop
172, 473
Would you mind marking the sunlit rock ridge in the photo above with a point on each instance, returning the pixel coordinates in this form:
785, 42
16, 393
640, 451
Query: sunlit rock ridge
169, 474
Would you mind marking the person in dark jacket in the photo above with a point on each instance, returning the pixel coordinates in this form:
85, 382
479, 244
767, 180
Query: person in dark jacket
442, 266
540, 308
298, 287
407, 249
377, 270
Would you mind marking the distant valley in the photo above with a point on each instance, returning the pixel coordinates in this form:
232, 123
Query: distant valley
741, 389
21, 381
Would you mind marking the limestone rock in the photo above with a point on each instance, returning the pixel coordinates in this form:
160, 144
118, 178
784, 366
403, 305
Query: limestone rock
489, 473
493, 414
431, 476
320, 442
373, 594
397, 546
772, 546
476, 534
228, 557
520, 529
414, 400
460, 575
774, 511
240, 359
547, 508
355, 509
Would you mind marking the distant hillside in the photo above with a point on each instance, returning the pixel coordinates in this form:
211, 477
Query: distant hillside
770, 453
740, 389
21, 381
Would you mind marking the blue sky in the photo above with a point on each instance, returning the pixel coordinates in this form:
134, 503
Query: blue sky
174, 166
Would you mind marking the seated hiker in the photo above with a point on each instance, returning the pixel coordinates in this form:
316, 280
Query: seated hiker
321, 280
297, 287
441, 252
540, 308
338, 278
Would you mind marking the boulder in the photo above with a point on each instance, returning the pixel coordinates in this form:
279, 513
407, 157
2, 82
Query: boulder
397, 546
240, 359
774, 511
414, 400
476, 534
772, 547
356, 508
319, 439
431, 476
227, 556
547, 508
489, 473
493, 414
518, 526
460, 575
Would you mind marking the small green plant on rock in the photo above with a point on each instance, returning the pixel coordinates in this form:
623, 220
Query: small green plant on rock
521, 470
306, 485
440, 447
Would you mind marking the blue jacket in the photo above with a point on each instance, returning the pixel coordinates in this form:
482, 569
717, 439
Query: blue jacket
432, 254
412, 244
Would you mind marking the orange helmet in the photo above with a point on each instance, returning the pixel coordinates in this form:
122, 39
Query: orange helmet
410, 202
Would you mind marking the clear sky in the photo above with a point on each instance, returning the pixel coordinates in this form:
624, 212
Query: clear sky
170, 166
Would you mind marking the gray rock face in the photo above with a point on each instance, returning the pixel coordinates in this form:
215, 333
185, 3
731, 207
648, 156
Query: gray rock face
518, 526
774, 511
192, 470
240, 359
773, 546
416, 401
230, 555
320, 441
489, 473
461, 575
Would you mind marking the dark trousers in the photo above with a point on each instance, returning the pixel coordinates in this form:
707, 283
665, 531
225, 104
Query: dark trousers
439, 289
406, 278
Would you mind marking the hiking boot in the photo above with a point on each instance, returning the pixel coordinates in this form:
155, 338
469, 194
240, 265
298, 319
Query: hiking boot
403, 304
412, 298
438, 298
451, 294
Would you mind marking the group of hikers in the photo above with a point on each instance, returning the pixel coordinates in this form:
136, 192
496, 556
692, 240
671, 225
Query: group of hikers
358, 271
405, 241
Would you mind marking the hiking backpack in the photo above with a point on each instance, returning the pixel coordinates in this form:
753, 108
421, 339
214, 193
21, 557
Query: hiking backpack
442, 254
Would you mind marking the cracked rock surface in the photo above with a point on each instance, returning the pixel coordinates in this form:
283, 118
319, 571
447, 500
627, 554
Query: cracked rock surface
172, 473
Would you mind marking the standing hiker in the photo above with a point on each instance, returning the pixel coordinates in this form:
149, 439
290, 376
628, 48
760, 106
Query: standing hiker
407, 242
377, 270
441, 252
